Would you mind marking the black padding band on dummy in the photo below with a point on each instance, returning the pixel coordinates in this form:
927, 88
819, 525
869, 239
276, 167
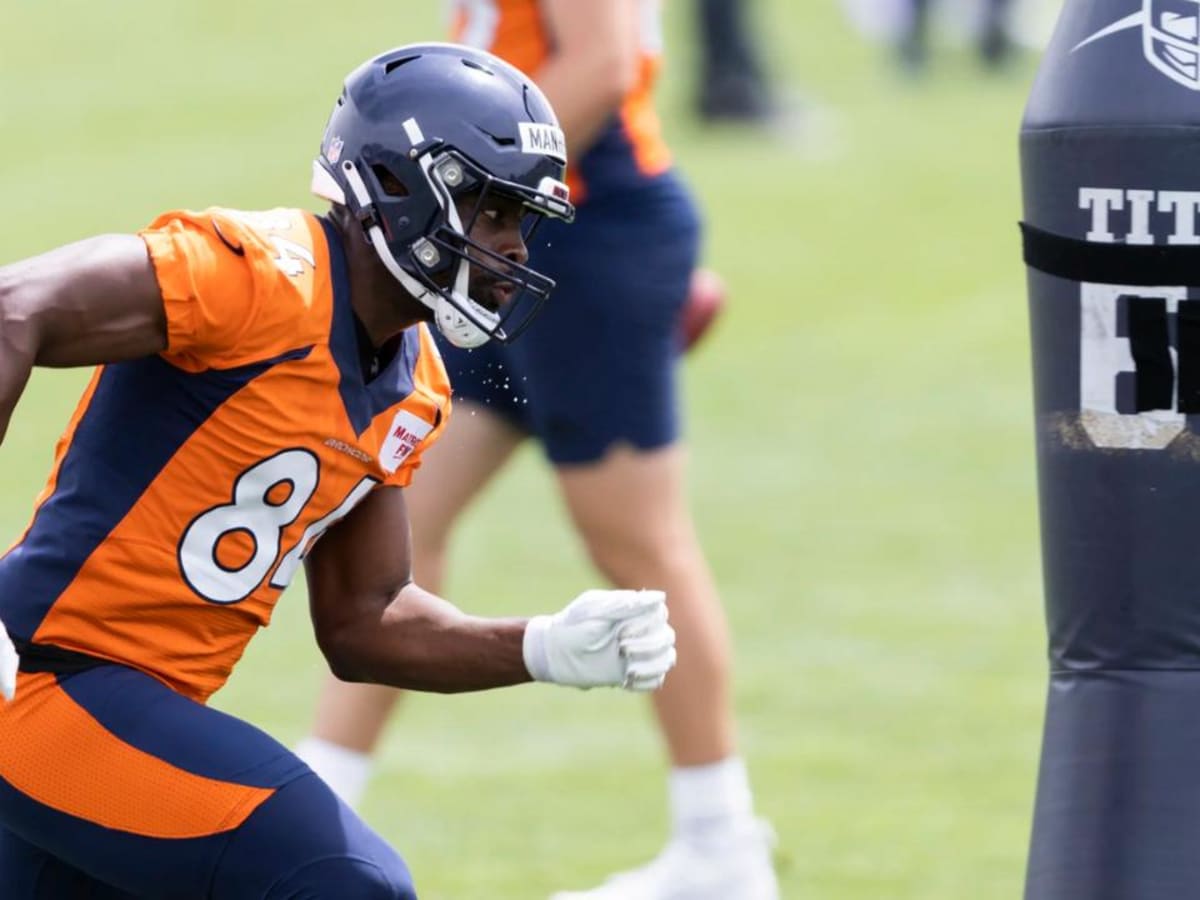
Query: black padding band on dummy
1099, 263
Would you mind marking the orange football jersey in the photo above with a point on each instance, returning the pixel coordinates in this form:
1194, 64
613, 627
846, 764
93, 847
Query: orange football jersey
188, 486
631, 148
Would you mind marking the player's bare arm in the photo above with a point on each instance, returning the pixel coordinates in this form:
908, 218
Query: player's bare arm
91, 302
374, 624
593, 66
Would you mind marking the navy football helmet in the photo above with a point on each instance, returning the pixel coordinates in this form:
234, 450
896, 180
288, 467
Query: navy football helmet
414, 130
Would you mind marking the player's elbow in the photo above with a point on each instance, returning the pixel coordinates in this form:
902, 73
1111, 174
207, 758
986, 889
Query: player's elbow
343, 669
346, 655
367, 661
19, 320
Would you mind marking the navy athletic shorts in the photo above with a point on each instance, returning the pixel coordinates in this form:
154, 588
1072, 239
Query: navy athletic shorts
112, 785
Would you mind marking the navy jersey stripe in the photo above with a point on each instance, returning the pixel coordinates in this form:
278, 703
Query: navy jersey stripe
180, 731
363, 401
140, 414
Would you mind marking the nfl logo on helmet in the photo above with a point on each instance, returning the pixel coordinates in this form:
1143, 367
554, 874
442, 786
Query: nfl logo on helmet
334, 151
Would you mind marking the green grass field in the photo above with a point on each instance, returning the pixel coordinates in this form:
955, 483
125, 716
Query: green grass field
861, 428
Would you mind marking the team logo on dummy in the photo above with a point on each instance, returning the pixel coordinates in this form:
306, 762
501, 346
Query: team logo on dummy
1170, 37
406, 433
547, 140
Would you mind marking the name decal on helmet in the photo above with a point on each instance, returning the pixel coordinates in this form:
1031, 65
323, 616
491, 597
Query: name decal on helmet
547, 140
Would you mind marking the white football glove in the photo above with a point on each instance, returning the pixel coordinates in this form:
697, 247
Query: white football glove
8, 664
603, 639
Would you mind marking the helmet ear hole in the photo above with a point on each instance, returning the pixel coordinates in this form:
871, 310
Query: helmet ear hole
391, 185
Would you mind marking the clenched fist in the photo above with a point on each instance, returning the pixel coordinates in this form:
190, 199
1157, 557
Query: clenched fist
603, 639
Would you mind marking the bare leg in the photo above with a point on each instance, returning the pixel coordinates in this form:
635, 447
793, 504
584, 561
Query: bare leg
914, 45
632, 513
732, 84
995, 45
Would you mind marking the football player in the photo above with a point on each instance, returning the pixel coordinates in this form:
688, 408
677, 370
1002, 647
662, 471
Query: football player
595, 383
266, 388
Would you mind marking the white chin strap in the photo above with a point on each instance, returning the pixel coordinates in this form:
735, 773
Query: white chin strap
457, 328
465, 330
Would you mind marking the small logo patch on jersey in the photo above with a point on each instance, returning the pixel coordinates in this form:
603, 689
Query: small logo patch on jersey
406, 433
547, 140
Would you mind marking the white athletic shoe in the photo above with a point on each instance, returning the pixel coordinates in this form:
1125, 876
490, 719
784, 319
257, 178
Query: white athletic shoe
733, 868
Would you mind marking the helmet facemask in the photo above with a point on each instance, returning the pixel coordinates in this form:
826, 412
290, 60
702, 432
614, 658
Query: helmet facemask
436, 267
449, 250
491, 133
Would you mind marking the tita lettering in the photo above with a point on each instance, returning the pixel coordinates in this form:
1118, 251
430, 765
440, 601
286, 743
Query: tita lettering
1132, 214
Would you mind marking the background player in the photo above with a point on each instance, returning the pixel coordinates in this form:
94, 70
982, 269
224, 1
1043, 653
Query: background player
732, 83
992, 33
596, 385
265, 390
